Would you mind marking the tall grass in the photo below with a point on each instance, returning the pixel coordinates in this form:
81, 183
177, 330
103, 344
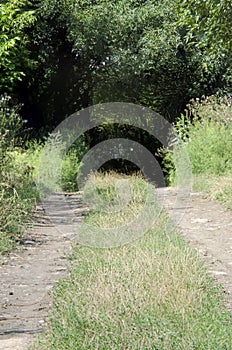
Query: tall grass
150, 294
18, 194
17, 189
206, 131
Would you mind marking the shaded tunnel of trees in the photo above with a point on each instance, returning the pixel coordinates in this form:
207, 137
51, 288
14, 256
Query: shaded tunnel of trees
59, 57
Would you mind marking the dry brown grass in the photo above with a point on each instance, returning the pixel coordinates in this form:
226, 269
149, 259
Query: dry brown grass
216, 188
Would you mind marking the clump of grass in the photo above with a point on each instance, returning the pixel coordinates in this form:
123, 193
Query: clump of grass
113, 196
150, 294
209, 148
216, 187
122, 208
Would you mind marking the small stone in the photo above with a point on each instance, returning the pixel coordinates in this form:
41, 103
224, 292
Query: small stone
218, 273
203, 252
199, 221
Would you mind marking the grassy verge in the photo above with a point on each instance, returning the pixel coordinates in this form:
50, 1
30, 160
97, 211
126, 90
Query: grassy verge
18, 190
17, 164
207, 136
216, 187
18, 194
150, 294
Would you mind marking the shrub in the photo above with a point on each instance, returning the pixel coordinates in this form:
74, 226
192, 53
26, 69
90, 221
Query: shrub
206, 131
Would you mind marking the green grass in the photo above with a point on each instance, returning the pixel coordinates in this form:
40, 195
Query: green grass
18, 194
210, 147
18, 163
210, 151
153, 293
207, 138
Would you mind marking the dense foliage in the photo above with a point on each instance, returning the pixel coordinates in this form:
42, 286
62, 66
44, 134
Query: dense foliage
72, 54
208, 24
57, 57
14, 57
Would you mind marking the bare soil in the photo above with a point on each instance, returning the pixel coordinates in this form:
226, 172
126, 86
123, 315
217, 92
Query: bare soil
207, 226
29, 273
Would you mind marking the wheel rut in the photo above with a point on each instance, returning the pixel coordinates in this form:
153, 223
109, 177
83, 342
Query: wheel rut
29, 273
207, 226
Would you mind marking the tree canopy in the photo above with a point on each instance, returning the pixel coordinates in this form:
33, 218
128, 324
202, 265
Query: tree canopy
14, 19
71, 54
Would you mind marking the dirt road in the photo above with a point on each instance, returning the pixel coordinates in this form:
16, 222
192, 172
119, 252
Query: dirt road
29, 273
207, 226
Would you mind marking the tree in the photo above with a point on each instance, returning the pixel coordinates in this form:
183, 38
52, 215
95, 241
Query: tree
209, 23
135, 52
14, 19
59, 83
92, 51
208, 28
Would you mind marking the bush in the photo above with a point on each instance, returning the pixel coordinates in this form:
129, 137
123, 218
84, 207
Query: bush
206, 131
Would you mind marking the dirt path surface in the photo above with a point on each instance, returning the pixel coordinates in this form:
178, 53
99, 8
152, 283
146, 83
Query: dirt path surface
207, 226
30, 272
